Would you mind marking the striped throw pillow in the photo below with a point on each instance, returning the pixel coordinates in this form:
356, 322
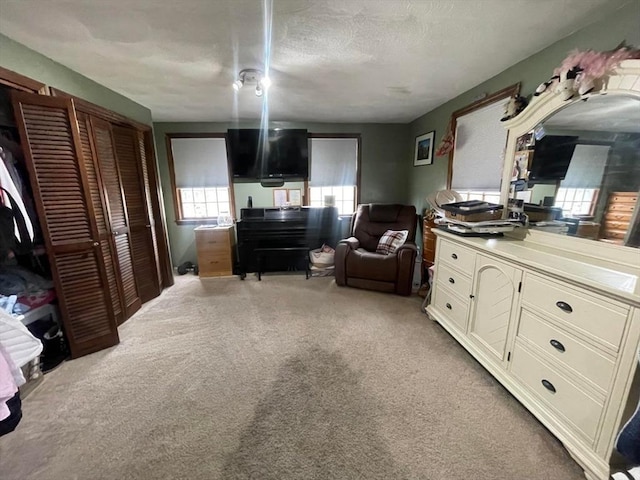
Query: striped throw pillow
391, 240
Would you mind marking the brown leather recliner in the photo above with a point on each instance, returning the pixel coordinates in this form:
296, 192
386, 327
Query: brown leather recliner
356, 262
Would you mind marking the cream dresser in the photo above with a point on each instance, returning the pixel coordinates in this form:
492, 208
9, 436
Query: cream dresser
560, 330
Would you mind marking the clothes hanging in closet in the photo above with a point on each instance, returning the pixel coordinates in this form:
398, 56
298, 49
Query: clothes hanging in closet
8, 184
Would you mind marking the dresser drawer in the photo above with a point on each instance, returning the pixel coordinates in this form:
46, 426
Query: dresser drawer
454, 280
214, 265
623, 197
460, 257
559, 393
212, 241
618, 217
622, 207
567, 350
454, 308
588, 312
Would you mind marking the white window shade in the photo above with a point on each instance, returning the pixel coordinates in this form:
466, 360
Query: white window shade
587, 166
333, 161
200, 162
478, 155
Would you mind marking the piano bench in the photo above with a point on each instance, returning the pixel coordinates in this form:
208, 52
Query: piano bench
293, 252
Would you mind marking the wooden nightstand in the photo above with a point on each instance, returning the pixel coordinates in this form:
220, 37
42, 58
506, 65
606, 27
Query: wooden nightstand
216, 250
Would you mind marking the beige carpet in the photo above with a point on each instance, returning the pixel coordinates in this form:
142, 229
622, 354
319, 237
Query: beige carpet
281, 379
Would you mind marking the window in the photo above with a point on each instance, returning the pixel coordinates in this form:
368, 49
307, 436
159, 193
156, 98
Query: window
334, 171
576, 201
343, 197
199, 177
491, 196
475, 164
204, 202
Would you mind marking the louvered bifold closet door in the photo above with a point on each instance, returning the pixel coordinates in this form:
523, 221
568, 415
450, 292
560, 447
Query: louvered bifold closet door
99, 201
132, 177
157, 212
52, 147
146, 184
118, 220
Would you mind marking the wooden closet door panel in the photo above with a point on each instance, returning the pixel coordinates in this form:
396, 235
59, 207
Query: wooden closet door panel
52, 146
101, 215
131, 175
157, 212
117, 214
144, 165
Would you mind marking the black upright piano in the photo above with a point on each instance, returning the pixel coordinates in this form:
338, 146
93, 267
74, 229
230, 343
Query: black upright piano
281, 228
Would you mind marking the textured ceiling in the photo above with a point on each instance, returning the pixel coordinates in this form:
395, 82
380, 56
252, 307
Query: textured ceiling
330, 60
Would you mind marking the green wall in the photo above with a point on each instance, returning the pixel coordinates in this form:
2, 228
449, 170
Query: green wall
384, 175
20, 59
605, 34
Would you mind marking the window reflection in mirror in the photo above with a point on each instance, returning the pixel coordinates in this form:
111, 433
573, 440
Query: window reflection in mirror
579, 171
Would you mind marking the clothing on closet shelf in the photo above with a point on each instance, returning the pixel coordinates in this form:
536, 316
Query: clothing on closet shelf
18, 343
8, 385
17, 348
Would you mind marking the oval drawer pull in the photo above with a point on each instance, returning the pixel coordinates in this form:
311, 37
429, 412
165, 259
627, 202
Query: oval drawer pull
548, 385
557, 345
448, 305
451, 280
454, 256
564, 306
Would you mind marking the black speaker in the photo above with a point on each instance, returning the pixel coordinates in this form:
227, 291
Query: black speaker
272, 182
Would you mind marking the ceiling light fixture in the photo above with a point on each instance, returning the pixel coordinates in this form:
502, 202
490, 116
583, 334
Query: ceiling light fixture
252, 76
237, 85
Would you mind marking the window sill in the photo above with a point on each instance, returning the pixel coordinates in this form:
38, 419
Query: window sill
199, 221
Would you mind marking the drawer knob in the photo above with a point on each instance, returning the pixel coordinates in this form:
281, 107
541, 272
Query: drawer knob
557, 345
564, 306
448, 305
454, 256
451, 280
549, 386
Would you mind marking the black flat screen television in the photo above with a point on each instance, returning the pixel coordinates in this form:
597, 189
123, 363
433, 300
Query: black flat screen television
285, 154
244, 153
551, 157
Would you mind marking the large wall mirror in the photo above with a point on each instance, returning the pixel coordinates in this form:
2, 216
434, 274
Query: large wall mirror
576, 165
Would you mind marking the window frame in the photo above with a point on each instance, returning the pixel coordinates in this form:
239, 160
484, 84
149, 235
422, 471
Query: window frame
358, 138
177, 207
507, 92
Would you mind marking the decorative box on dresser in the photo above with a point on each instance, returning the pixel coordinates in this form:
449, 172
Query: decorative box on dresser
559, 329
216, 250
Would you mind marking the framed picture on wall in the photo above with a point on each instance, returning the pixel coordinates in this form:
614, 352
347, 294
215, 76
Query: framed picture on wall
424, 149
295, 196
279, 197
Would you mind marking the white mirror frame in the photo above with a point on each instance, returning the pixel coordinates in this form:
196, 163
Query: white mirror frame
624, 81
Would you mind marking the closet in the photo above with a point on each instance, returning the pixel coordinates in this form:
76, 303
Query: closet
95, 189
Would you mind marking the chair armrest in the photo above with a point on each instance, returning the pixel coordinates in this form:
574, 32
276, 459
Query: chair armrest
406, 261
407, 246
352, 242
344, 247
